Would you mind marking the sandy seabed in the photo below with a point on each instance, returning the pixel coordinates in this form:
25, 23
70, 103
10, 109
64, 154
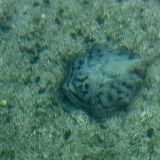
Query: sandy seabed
37, 40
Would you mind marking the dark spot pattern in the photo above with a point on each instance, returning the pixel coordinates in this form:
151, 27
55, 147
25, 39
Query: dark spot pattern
103, 80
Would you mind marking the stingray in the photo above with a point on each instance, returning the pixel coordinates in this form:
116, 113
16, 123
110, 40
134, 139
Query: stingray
103, 81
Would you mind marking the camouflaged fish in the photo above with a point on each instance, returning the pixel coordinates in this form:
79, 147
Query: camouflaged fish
103, 81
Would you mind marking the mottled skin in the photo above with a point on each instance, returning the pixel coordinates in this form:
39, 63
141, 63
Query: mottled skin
104, 81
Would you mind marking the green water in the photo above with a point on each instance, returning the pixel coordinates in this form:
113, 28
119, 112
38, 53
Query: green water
37, 40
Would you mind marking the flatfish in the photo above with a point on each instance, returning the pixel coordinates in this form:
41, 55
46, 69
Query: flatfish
103, 80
